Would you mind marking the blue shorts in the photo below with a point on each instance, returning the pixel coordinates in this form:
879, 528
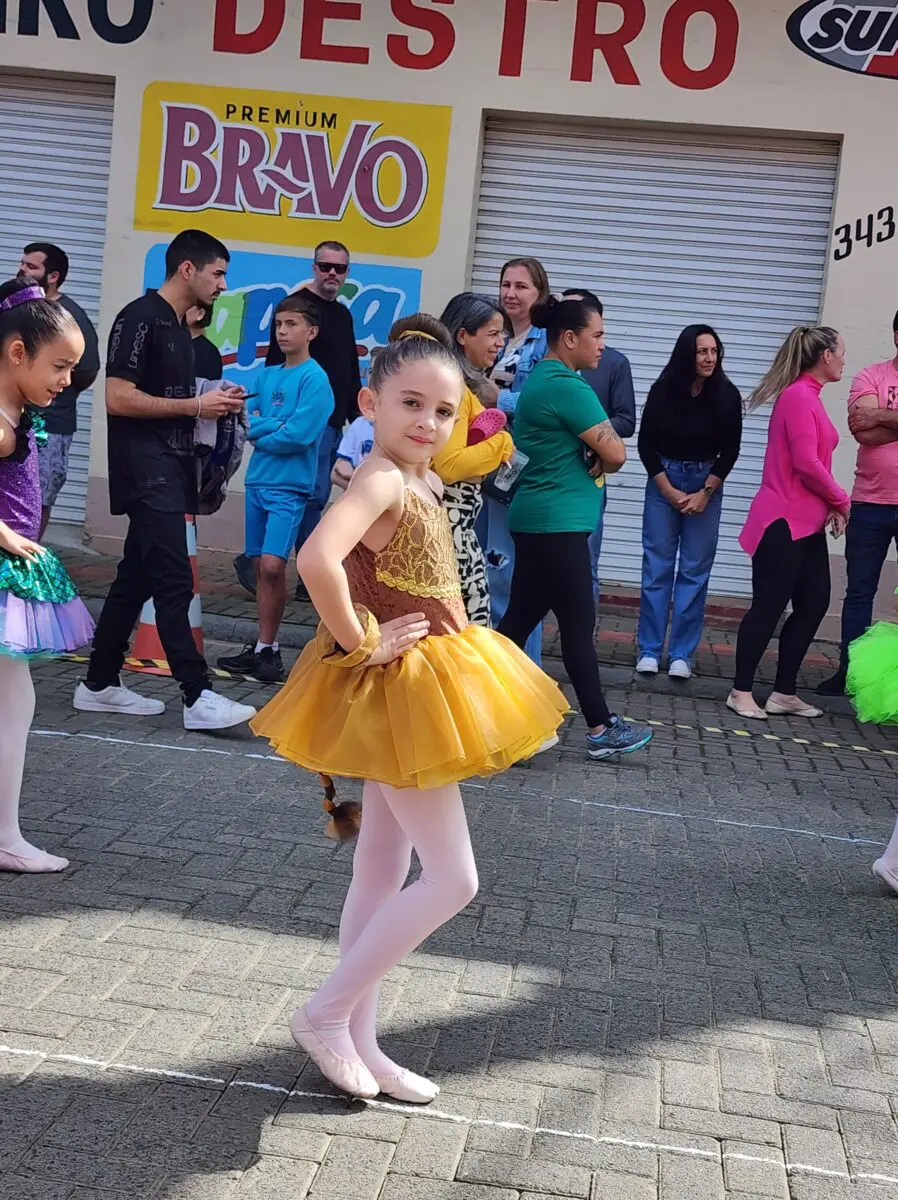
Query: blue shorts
273, 517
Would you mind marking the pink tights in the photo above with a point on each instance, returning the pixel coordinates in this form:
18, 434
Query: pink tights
16, 712
382, 922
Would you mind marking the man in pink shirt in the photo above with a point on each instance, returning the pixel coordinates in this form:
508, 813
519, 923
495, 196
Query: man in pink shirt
873, 525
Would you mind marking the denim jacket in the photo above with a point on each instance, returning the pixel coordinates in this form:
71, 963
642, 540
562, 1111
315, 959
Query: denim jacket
532, 352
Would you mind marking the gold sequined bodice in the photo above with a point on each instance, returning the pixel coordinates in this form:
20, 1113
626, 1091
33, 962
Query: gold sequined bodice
415, 572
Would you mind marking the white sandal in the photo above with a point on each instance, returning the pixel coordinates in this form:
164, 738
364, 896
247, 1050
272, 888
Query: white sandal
756, 714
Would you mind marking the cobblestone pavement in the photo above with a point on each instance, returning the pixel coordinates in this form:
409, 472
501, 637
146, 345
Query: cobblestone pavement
678, 980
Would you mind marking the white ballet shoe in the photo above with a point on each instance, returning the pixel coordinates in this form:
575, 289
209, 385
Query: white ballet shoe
34, 864
407, 1086
787, 710
351, 1077
748, 714
882, 872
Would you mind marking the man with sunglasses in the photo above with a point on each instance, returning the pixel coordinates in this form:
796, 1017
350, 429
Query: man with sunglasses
335, 350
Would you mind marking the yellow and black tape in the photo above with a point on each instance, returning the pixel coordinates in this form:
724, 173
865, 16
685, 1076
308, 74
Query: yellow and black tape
813, 743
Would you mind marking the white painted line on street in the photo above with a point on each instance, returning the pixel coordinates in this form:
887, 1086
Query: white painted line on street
670, 815
755, 828
435, 1114
665, 814
180, 747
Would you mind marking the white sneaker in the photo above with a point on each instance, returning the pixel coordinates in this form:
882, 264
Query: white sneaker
647, 665
116, 700
214, 711
679, 669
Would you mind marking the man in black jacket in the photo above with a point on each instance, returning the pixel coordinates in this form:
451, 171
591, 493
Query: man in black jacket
335, 350
46, 264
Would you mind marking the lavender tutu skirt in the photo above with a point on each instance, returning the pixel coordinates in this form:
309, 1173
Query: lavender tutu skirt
41, 613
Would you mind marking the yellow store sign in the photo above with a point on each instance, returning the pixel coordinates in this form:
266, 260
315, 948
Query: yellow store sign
292, 169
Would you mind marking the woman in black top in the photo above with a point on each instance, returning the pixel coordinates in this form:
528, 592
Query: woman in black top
689, 440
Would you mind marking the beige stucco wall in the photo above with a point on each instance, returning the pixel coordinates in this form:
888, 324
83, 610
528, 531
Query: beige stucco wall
773, 86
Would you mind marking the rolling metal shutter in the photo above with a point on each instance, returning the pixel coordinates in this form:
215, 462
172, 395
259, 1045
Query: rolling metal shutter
669, 229
55, 142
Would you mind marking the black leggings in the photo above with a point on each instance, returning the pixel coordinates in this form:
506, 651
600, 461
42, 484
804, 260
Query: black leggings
783, 570
552, 572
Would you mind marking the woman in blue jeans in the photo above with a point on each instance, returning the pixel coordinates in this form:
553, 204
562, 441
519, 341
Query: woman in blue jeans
689, 440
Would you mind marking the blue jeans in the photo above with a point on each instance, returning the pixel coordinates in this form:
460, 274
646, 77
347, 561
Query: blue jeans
327, 456
871, 530
665, 532
499, 550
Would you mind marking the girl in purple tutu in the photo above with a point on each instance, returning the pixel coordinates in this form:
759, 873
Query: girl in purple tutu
40, 612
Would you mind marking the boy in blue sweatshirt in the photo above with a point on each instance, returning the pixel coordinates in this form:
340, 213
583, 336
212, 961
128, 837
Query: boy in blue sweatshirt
289, 407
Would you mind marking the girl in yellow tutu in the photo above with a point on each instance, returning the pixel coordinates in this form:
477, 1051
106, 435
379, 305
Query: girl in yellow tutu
399, 690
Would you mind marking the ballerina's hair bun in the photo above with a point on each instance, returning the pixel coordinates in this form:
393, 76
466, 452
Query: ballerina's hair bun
413, 339
26, 313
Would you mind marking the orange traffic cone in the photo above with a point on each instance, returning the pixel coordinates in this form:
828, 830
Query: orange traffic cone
147, 654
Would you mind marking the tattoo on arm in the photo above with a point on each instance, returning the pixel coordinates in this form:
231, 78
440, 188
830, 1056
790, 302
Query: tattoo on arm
607, 434
608, 445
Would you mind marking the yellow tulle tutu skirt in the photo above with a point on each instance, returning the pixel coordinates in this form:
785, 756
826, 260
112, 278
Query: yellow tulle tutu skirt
457, 705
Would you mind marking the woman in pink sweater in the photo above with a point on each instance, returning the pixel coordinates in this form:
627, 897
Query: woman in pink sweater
784, 533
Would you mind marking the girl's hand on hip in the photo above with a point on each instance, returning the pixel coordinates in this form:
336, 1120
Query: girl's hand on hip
21, 547
397, 637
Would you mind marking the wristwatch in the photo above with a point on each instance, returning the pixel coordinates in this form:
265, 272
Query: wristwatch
709, 491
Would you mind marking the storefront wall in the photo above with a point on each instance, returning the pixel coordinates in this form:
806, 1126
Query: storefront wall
409, 81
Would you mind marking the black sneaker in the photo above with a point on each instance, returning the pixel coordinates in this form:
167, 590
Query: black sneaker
834, 686
301, 594
269, 668
246, 573
243, 663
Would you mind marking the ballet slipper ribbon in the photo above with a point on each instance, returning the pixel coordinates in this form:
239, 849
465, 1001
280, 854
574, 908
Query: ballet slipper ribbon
330, 653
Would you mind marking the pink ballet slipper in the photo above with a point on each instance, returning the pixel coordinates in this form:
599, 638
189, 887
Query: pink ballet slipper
33, 864
351, 1077
407, 1086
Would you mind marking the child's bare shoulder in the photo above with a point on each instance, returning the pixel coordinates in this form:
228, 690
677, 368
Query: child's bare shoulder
378, 476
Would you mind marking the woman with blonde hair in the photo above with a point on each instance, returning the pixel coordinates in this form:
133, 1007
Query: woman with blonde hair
784, 533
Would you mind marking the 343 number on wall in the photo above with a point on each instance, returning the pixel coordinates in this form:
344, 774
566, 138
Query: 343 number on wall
865, 231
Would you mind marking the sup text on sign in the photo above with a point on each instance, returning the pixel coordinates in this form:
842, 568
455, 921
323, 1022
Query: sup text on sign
860, 37
293, 169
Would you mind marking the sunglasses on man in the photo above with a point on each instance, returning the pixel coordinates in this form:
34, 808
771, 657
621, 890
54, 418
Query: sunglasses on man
337, 268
